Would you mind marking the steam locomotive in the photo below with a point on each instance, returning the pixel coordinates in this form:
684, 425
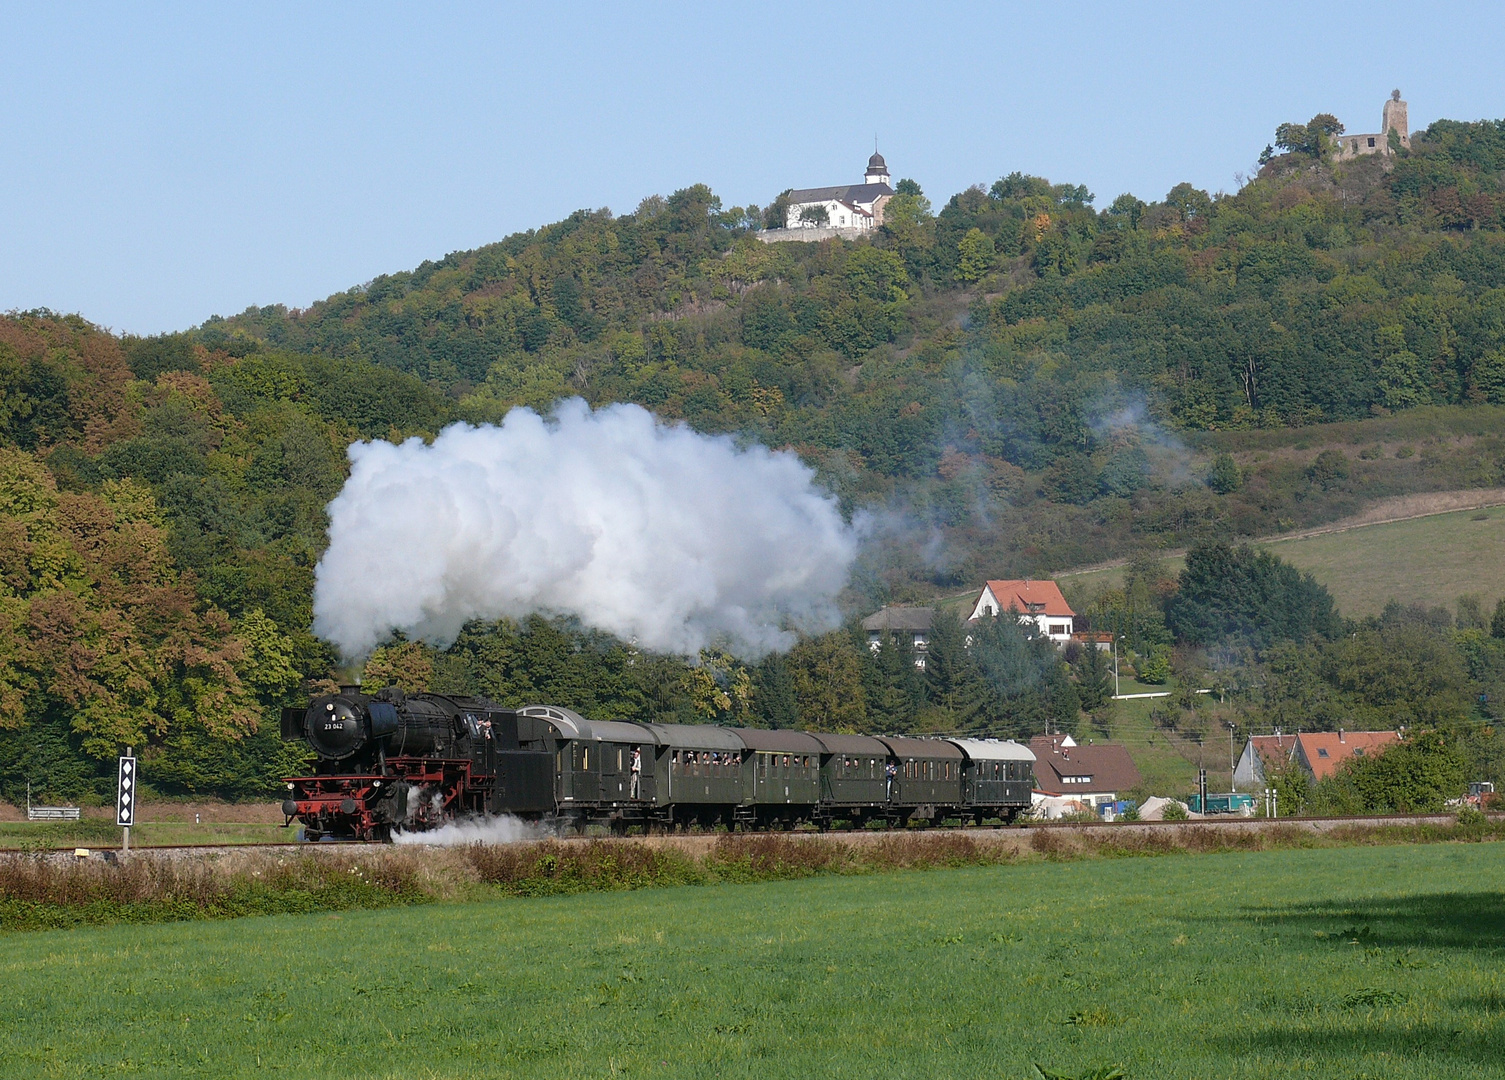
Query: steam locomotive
391, 761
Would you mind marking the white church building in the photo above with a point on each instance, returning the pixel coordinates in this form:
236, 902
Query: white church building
845, 210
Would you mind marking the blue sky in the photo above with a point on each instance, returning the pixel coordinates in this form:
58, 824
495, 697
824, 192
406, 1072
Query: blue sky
164, 163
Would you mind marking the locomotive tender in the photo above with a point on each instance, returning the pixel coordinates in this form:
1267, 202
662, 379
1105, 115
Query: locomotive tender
392, 761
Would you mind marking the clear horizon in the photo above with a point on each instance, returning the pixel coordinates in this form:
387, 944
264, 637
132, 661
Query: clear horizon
182, 163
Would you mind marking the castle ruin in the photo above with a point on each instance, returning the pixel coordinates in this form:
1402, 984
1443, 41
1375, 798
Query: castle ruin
1392, 123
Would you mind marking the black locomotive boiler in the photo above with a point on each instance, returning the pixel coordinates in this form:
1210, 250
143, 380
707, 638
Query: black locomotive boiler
393, 761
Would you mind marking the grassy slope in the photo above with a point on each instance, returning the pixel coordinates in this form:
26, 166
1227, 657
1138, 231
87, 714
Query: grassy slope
1230, 965
1429, 560
1167, 763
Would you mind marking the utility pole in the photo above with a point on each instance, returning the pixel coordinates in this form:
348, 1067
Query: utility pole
1232, 760
1115, 666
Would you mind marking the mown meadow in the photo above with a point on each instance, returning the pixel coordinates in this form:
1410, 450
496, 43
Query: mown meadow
1335, 962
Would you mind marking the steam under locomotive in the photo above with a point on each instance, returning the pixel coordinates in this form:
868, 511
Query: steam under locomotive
392, 761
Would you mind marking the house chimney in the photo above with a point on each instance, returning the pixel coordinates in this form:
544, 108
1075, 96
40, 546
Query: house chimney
1340, 734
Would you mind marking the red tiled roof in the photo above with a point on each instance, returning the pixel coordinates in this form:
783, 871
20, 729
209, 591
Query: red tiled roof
1108, 767
1323, 751
1021, 594
1276, 750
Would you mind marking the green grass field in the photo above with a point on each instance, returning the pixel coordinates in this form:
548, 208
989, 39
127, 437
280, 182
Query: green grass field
1429, 560
1357, 962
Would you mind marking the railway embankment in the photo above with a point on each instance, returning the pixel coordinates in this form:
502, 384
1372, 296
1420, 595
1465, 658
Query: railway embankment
53, 890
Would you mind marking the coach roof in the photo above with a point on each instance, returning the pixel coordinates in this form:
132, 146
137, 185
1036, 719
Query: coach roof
696, 736
994, 750
782, 742
850, 744
571, 725
919, 748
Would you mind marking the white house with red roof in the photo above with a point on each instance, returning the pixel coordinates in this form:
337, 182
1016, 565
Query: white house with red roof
1037, 602
1319, 753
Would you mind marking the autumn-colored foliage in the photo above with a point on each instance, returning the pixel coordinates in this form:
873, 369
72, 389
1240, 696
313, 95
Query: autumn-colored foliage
95, 620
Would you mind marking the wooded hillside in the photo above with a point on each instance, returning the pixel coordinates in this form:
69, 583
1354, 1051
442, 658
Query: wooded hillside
1021, 382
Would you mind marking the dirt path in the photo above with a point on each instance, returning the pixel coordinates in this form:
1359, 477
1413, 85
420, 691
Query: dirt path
1381, 512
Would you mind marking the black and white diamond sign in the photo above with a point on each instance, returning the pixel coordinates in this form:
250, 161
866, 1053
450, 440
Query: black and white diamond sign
125, 796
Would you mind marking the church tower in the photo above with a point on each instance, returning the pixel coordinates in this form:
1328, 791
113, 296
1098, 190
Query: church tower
877, 171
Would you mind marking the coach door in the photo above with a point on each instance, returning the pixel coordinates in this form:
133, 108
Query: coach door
615, 762
587, 770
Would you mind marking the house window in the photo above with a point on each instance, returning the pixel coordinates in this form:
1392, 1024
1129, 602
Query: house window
1371, 142
1059, 628
1322, 753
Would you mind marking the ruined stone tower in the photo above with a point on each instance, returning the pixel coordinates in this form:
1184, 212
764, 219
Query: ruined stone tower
1392, 118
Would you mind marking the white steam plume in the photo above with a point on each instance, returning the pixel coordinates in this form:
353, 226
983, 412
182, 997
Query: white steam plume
651, 531
484, 830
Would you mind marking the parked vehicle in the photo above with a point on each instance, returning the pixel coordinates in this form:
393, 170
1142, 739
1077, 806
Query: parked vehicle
1229, 802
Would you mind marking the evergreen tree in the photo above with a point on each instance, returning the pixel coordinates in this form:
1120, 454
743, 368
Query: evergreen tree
1094, 679
894, 685
773, 701
952, 680
1227, 592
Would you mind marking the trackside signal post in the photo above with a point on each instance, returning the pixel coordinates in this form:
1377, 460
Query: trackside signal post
125, 797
